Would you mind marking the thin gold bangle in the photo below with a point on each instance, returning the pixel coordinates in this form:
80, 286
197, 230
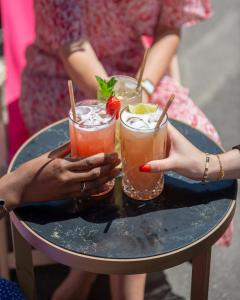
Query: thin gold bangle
205, 173
221, 170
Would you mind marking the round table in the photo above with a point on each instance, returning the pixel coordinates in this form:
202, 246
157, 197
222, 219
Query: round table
117, 235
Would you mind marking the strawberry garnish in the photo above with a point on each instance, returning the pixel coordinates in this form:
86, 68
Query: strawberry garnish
106, 93
113, 106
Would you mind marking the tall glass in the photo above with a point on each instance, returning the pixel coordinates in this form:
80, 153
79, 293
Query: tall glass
139, 145
93, 132
126, 91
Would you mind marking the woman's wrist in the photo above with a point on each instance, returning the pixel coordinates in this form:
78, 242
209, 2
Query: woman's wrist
214, 168
225, 165
11, 187
198, 165
203, 169
230, 161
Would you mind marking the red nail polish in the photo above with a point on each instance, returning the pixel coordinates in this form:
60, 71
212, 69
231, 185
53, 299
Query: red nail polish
145, 168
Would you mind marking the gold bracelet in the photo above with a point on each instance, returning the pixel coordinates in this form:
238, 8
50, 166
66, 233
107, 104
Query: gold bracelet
221, 170
205, 173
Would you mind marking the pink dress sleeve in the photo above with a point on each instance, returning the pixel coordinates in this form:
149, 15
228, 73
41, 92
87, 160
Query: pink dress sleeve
178, 13
58, 22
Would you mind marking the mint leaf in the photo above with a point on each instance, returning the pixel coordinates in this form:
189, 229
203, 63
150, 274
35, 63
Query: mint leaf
105, 88
102, 83
111, 83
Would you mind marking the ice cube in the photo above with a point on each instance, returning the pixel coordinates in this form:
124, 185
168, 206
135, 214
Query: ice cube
98, 108
120, 86
82, 110
92, 117
91, 122
137, 123
131, 93
105, 118
153, 118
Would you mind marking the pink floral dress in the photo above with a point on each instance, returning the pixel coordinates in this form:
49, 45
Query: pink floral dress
114, 29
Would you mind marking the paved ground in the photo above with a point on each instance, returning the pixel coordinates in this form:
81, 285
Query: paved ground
210, 67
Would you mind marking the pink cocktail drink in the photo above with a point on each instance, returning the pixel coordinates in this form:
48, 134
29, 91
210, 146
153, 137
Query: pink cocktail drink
93, 131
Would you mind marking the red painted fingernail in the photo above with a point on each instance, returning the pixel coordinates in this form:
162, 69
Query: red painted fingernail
145, 168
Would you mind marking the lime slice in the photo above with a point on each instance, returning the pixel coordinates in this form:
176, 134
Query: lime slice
142, 108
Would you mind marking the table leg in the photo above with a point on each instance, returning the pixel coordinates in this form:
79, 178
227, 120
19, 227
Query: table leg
200, 275
4, 268
24, 265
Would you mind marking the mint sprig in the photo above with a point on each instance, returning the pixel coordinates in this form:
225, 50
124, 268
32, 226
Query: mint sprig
105, 88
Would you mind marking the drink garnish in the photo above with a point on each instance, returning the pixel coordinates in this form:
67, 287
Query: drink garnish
106, 93
142, 108
105, 88
113, 106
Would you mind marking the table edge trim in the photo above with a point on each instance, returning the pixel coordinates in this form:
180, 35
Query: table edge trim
139, 265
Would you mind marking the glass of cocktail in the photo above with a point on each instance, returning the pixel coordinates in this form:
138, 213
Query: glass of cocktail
141, 142
125, 90
93, 131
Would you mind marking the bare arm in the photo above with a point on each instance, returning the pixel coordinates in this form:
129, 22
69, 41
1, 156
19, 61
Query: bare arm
51, 176
165, 45
187, 160
82, 64
164, 48
231, 165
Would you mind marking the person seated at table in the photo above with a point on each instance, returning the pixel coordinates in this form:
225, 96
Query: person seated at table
79, 39
51, 177
187, 160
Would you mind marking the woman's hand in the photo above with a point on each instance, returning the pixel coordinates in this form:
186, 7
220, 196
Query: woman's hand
187, 160
184, 158
50, 177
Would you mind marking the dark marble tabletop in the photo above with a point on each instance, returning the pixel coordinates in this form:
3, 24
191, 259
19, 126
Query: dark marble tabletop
118, 227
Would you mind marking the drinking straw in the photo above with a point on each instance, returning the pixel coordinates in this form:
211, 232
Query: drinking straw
170, 100
142, 67
72, 101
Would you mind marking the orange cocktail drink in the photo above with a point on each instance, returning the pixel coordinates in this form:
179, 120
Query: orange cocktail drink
93, 131
141, 143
